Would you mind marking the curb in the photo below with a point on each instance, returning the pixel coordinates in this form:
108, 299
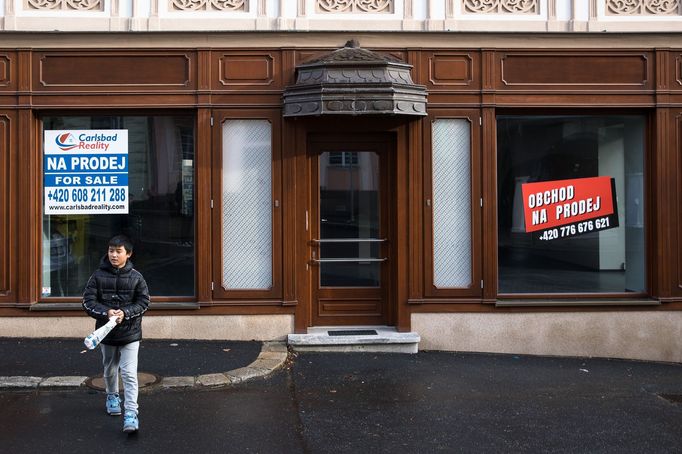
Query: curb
271, 357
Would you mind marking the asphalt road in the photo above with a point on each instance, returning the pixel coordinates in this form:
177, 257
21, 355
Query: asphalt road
376, 403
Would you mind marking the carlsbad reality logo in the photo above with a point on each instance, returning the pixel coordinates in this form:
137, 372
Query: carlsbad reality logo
66, 141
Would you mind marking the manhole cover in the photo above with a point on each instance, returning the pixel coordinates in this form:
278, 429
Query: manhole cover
355, 332
143, 379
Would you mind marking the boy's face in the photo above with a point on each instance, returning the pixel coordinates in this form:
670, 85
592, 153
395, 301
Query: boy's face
118, 256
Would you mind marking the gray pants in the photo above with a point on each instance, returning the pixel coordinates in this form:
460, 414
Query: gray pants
125, 358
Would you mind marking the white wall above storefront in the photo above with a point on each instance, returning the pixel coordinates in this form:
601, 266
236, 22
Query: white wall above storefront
342, 15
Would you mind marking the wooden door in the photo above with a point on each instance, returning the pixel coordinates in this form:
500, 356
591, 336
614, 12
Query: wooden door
350, 248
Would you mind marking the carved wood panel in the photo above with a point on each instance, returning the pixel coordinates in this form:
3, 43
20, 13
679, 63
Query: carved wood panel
678, 73
248, 70
4, 71
574, 70
7, 71
304, 56
84, 71
449, 70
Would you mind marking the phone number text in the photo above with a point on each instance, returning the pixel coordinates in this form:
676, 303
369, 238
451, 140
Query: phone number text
65, 195
576, 229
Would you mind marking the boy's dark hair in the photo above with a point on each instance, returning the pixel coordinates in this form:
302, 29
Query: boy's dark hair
122, 240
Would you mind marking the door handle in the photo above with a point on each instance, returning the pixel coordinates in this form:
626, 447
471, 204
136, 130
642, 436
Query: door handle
349, 240
348, 260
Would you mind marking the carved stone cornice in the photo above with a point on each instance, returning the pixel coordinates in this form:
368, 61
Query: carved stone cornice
66, 5
354, 81
642, 7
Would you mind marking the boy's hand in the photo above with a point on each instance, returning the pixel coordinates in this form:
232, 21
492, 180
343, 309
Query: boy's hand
119, 314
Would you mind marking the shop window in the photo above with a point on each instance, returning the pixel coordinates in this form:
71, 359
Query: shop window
452, 206
247, 233
156, 182
571, 204
451, 174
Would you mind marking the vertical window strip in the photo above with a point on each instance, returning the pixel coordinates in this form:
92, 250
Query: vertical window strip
451, 171
247, 205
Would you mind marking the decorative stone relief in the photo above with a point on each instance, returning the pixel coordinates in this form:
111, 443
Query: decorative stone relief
354, 6
207, 5
642, 7
66, 5
501, 6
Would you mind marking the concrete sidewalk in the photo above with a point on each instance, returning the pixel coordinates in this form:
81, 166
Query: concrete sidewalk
65, 363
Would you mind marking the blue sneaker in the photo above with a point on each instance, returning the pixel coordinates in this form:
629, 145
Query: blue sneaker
130, 422
113, 405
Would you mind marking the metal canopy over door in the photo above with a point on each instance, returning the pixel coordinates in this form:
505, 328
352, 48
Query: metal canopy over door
349, 249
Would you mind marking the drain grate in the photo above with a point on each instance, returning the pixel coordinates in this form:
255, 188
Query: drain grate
353, 332
674, 398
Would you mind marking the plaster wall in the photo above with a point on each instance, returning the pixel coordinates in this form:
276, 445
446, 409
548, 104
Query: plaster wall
653, 336
215, 327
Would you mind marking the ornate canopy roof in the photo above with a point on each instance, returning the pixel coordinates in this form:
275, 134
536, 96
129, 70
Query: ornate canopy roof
354, 81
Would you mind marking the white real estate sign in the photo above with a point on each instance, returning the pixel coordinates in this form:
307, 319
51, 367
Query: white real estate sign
86, 171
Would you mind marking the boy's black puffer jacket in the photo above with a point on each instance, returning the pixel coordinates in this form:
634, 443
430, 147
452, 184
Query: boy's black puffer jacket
113, 288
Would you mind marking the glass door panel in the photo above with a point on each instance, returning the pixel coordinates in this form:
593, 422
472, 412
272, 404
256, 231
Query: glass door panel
350, 225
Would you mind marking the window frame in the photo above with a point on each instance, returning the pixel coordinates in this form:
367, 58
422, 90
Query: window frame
475, 287
272, 296
73, 302
586, 298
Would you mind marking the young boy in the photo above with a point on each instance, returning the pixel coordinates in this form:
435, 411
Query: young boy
116, 289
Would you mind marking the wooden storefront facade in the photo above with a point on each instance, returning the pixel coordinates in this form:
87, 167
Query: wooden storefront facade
214, 83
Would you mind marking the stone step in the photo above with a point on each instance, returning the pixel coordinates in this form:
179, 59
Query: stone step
384, 339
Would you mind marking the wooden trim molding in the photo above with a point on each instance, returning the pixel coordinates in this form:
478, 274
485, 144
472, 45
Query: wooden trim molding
677, 200
6, 179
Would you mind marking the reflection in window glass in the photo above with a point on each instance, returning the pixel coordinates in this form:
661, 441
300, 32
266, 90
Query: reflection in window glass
575, 257
160, 221
350, 221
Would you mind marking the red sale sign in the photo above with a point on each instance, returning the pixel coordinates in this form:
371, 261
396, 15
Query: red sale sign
551, 204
